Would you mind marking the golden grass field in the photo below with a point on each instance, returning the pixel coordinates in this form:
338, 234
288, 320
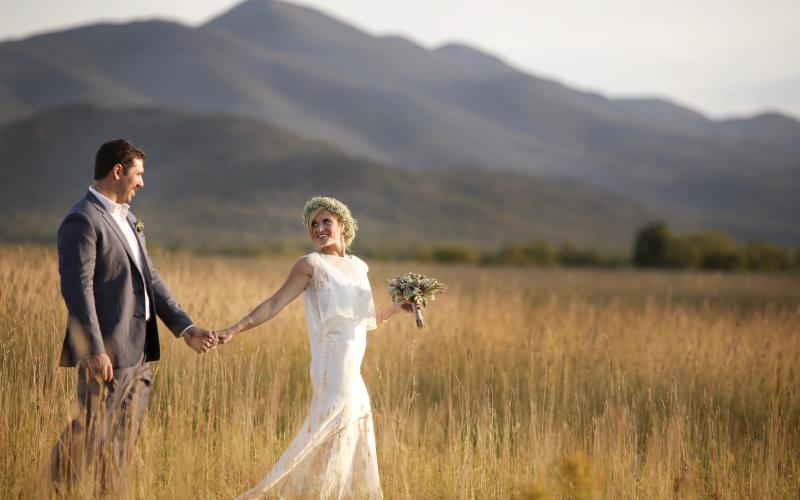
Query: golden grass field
528, 384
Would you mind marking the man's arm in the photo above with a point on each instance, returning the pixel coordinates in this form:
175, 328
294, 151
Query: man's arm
167, 306
76, 260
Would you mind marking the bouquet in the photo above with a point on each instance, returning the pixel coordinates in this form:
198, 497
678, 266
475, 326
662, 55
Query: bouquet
414, 289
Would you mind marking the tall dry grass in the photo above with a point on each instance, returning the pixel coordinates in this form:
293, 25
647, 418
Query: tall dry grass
528, 384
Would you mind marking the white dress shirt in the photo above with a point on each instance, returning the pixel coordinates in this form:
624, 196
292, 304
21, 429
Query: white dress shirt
119, 211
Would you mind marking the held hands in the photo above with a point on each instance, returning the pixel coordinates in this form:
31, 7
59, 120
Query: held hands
202, 340
199, 339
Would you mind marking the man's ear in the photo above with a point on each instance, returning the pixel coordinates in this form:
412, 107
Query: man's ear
116, 171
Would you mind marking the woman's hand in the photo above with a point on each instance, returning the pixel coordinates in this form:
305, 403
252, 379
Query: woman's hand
224, 336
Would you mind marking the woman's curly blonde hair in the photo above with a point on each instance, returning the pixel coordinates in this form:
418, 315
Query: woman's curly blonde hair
337, 208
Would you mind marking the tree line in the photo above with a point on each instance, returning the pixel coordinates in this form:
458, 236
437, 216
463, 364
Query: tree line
654, 246
657, 246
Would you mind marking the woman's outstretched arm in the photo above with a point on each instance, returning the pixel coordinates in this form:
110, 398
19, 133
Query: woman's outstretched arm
296, 282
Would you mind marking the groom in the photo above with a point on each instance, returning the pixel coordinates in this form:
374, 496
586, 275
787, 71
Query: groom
113, 295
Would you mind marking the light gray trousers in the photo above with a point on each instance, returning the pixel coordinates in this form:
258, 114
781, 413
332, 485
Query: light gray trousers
103, 435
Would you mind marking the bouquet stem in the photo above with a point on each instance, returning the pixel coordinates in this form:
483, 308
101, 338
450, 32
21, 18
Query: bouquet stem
418, 315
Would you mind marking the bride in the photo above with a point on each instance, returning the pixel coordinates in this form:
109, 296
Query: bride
333, 453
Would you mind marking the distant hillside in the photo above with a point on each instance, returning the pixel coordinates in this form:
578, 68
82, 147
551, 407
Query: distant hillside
214, 181
395, 102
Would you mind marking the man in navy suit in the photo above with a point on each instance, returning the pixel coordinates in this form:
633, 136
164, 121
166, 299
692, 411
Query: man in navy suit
113, 294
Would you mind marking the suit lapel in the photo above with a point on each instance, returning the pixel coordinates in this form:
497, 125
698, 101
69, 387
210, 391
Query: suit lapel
114, 227
132, 223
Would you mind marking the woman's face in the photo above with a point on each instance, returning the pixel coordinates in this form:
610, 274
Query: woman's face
326, 230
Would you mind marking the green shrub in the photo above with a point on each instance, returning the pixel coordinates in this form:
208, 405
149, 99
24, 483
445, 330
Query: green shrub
451, 254
651, 246
765, 256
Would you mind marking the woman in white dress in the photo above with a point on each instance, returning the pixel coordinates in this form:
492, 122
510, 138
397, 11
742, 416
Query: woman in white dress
333, 454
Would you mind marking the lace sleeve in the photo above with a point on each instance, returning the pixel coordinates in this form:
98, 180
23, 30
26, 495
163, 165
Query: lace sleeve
370, 318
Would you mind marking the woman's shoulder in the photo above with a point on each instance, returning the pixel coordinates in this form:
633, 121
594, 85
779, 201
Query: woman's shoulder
359, 261
308, 262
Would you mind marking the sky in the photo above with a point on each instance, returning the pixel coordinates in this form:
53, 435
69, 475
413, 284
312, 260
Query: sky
724, 58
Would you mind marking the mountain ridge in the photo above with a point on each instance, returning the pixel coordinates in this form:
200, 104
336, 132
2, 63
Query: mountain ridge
203, 195
396, 102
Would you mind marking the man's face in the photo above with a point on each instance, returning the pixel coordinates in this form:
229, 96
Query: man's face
131, 181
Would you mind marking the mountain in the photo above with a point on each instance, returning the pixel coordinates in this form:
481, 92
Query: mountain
668, 115
395, 102
767, 128
215, 180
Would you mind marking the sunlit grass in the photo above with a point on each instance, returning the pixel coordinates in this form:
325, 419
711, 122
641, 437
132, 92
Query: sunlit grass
528, 383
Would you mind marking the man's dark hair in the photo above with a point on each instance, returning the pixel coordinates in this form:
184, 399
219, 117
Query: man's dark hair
113, 152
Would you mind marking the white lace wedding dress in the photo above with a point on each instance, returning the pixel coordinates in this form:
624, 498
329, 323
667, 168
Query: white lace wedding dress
333, 454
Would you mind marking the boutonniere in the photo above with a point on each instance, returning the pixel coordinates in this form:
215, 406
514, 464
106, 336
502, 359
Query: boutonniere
139, 226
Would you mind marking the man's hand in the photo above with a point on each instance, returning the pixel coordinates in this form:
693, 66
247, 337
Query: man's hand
199, 339
100, 366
